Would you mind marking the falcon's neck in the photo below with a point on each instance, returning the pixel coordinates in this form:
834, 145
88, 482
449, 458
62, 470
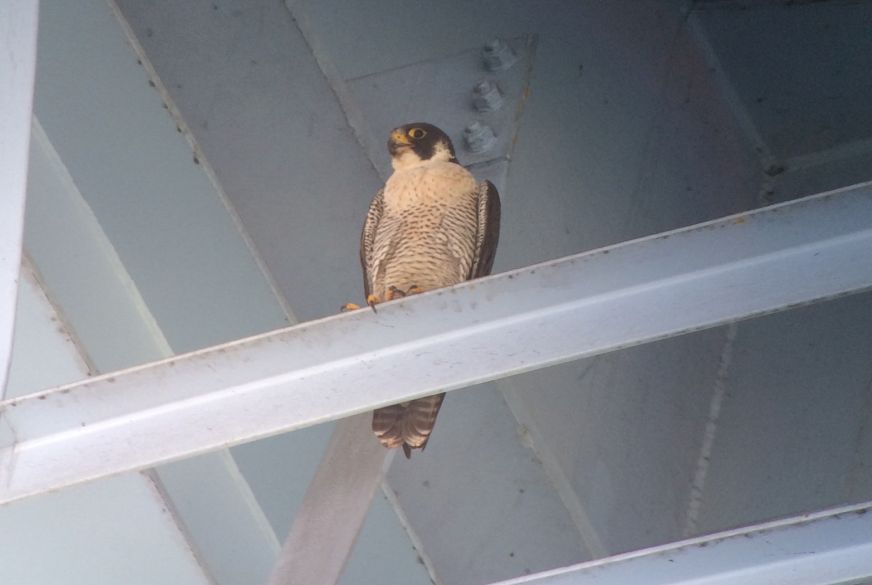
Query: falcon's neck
408, 159
430, 183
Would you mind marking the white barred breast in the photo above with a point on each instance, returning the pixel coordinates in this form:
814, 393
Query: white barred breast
426, 235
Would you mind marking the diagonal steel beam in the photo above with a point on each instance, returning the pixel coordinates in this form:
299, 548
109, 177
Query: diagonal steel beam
689, 279
824, 548
334, 509
18, 23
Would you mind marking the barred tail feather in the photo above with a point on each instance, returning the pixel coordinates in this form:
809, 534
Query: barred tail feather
408, 424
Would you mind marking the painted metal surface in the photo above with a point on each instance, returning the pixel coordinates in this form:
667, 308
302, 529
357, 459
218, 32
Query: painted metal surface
141, 253
105, 532
271, 127
115, 531
81, 267
621, 136
440, 91
382, 552
142, 181
796, 118
334, 507
587, 169
18, 24
40, 330
478, 500
216, 509
800, 382
612, 419
826, 548
616, 297
102, 305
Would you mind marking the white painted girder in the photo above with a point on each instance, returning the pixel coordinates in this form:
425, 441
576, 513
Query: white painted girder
825, 548
18, 24
599, 301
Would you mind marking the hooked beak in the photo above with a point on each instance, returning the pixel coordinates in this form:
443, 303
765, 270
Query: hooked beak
397, 141
399, 137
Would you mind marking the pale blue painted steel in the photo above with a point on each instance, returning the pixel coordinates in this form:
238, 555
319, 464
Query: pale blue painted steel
383, 553
272, 129
439, 91
142, 253
788, 45
479, 500
652, 288
81, 268
140, 177
827, 548
40, 330
108, 531
246, 83
614, 418
101, 302
800, 383
18, 24
623, 133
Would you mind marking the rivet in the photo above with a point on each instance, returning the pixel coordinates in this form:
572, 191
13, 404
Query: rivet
486, 96
497, 55
478, 137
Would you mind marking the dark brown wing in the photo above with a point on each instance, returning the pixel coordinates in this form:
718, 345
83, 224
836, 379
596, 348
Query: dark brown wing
367, 238
487, 234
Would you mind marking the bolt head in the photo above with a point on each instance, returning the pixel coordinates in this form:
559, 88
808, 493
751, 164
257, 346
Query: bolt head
493, 45
486, 96
473, 127
478, 137
497, 55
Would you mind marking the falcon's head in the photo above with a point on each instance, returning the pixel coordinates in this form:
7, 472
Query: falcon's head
413, 144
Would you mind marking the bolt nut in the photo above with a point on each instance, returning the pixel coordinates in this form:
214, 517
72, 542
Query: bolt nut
478, 137
497, 55
486, 96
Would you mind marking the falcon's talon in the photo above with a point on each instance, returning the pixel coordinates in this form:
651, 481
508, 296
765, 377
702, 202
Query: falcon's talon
371, 300
349, 307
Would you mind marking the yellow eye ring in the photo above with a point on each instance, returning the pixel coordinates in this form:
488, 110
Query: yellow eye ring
417, 133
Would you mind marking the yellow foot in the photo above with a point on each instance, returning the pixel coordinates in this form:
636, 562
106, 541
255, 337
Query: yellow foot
371, 300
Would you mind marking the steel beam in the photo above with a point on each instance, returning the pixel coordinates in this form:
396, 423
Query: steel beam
664, 285
825, 548
18, 23
334, 509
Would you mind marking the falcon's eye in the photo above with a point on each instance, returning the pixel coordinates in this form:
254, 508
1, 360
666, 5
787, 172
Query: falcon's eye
417, 133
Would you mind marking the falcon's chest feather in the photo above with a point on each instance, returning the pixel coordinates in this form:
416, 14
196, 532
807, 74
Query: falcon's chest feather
438, 184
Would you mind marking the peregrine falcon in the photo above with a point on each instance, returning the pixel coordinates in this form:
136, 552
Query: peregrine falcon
431, 226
